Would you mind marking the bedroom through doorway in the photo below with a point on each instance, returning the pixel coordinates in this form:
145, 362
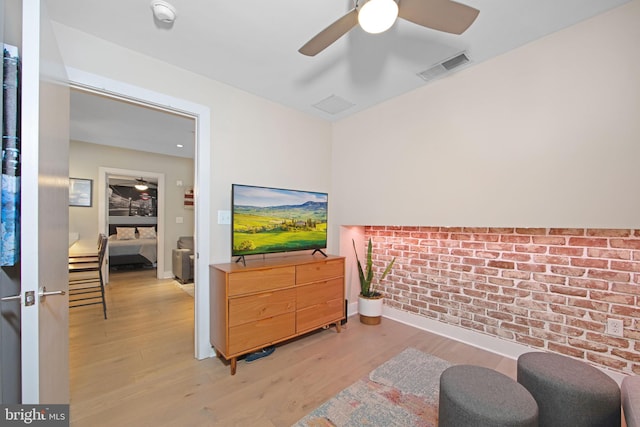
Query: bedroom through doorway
132, 200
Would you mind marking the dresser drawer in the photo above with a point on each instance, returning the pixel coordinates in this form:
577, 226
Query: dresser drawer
260, 306
261, 333
319, 315
317, 292
319, 271
246, 282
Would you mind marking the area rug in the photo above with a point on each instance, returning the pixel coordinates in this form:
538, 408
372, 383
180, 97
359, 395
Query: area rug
401, 392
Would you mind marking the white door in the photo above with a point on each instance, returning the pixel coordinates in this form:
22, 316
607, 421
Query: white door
44, 212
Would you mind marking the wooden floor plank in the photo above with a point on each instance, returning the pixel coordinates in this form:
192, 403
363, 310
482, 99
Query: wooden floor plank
137, 367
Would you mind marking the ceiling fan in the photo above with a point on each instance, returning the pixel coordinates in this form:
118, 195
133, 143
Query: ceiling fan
376, 16
141, 184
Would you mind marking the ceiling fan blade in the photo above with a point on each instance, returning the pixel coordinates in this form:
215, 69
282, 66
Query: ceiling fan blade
333, 32
441, 15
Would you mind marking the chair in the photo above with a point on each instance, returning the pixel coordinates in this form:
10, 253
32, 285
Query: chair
86, 285
182, 260
88, 257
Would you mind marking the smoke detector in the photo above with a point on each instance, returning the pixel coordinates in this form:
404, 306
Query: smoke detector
163, 11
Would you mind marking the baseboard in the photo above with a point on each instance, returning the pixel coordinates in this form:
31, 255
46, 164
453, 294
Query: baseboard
496, 345
352, 309
467, 336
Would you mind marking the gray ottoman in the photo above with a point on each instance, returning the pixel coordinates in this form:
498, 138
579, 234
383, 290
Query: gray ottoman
630, 393
569, 392
473, 396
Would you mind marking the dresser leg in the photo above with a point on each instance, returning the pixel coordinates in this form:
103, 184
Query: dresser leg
234, 364
338, 327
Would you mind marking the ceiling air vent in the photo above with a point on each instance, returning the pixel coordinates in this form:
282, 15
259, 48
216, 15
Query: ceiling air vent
444, 67
333, 105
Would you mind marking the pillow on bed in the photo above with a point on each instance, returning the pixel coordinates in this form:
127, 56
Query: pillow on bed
126, 233
147, 232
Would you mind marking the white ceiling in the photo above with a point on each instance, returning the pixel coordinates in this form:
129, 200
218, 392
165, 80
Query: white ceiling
253, 44
108, 121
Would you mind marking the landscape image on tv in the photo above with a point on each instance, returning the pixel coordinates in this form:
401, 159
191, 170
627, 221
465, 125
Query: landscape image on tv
267, 220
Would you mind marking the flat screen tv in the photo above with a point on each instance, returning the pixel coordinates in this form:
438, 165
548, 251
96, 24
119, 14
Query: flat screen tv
268, 220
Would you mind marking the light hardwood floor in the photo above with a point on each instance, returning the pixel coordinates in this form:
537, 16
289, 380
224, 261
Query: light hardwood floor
137, 367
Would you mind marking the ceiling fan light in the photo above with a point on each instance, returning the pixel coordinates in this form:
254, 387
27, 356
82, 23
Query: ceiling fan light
377, 16
141, 185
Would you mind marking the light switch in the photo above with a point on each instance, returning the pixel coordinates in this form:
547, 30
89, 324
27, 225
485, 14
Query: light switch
179, 183
179, 220
224, 217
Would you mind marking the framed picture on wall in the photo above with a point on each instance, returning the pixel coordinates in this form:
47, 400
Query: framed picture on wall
80, 192
129, 201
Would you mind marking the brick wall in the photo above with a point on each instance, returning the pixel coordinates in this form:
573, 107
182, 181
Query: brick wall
550, 289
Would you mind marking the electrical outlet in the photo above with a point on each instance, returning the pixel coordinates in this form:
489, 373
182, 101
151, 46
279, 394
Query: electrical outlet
615, 327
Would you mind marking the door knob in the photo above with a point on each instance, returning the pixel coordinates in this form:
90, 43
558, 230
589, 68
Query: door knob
44, 294
29, 298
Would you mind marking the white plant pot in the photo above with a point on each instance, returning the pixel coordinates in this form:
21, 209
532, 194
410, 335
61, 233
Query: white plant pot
370, 310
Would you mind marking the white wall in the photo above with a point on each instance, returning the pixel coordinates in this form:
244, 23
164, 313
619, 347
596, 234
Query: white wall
86, 158
253, 141
546, 135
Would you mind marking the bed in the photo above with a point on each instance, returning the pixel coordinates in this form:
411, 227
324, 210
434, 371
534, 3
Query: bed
132, 245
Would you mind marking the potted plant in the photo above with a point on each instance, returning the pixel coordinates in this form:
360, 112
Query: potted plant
370, 300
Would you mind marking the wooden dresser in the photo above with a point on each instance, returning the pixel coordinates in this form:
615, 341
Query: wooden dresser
273, 300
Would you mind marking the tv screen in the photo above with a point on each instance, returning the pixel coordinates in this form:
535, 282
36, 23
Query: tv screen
268, 220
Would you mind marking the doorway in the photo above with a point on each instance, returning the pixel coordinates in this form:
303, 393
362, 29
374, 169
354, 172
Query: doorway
122, 204
202, 211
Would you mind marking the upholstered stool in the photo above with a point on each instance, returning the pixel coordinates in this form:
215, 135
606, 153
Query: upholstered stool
630, 394
569, 392
473, 396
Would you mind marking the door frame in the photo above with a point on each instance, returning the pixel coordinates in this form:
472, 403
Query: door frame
103, 210
202, 162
